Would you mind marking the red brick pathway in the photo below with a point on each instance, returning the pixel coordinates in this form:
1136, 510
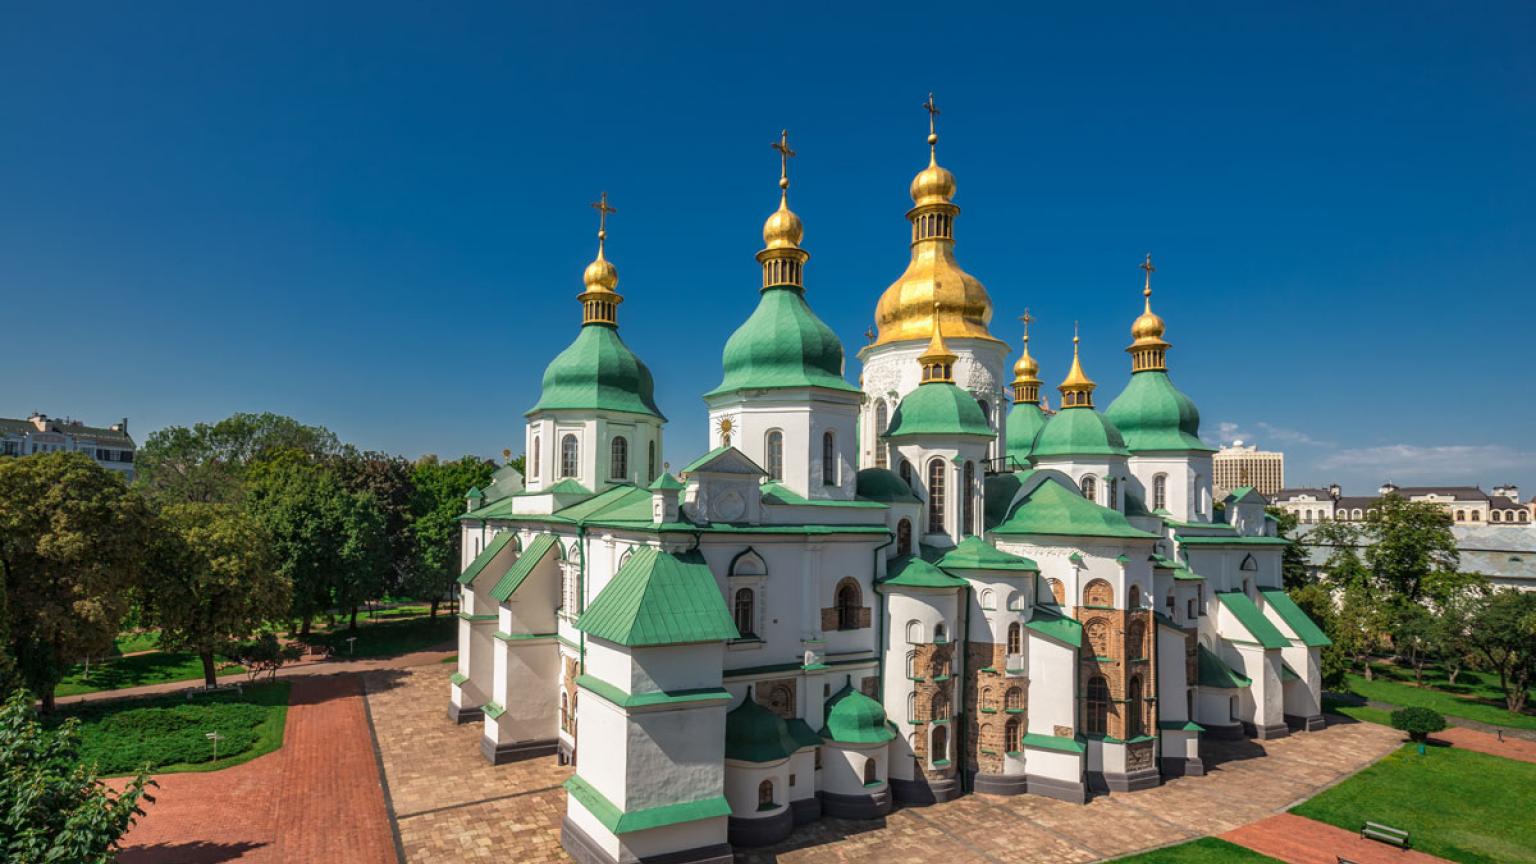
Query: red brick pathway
318, 799
1482, 742
1298, 840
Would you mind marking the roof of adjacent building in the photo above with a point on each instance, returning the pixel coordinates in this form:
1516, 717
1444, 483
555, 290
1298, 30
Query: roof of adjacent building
16, 426
491, 550
1053, 508
782, 344
1025, 420
1152, 414
1056, 625
510, 581
939, 408
1297, 619
660, 598
1214, 672
597, 371
853, 718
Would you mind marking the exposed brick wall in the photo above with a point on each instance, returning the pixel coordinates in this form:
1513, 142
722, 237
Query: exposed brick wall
986, 703
571, 691
1107, 652
777, 695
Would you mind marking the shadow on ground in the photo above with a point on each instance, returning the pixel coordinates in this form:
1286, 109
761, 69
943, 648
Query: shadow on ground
197, 852
821, 832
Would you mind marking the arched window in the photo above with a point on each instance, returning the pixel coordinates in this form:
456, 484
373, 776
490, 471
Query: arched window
650, 461
968, 501
940, 744
1133, 600
765, 795
1136, 640
912, 706
1114, 494
848, 603
781, 700
915, 632
936, 496
1015, 638
1097, 632
1096, 706
570, 456
912, 670
1160, 492
1358, 514
939, 633
906, 473
776, 455
1201, 492
1098, 593
904, 537
828, 459
745, 613
1013, 700
1168, 602
565, 711
1461, 515
1012, 742
1495, 516
618, 467
940, 706
1090, 488
881, 423
1058, 591
871, 770
1133, 708
533, 470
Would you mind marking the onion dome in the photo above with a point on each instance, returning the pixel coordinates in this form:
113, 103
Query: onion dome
600, 302
755, 734
782, 344
1148, 350
933, 274
853, 718
1151, 413
1026, 372
1077, 429
1025, 420
885, 485
937, 406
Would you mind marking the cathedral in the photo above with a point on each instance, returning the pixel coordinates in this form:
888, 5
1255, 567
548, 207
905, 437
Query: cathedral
918, 587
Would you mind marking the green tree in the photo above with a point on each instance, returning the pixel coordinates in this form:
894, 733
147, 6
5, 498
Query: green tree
1293, 560
73, 545
215, 581
301, 507
1413, 637
1410, 549
1360, 622
436, 506
1451, 636
209, 461
53, 809
1504, 636
387, 479
1344, 567
364, 570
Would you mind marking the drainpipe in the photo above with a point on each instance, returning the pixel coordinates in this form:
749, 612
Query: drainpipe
963, 649
581, 592
884, 610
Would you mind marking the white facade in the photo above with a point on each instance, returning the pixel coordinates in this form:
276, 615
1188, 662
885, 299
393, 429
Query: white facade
111, 447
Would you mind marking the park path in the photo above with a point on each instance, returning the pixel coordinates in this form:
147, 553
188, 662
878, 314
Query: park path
317, 799
1519, 749
1298, 840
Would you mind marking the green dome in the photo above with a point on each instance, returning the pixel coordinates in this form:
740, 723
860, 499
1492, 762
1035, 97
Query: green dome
1025, 420
882, 484
939, 408
853, 718
782, 344
755, 734
1153, 415
598, 371
1078, 432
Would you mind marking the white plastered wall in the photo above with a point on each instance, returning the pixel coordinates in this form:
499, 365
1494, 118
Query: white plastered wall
803, 416
891, 371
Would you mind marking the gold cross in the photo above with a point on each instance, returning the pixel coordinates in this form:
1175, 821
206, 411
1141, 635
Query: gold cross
1147, 266
602, 208
785, 154
1027, 319
933, 112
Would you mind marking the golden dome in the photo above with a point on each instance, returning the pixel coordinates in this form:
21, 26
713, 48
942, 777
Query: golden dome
1148, 350
1026, 370
934, 184
600, 302
601, 275
1077, 388
1147, 325
937, 361
783, 229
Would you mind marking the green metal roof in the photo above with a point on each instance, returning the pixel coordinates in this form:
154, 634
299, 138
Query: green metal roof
883, 484
1214, 673
1053, 508
755, 734
998, 491
911, 571
1152, 414
622, 822
610, 504
1231, 540
974, 553
1079, 431
1056, 626
660, 598
474, 493
853, 718
1052, 742
615, 694
1252, 619
509, 582
1242, 492
782, 344
667, 483
1025, 420
1287, 673
939, 408
706, 458
597, 371
802, 733
1298, 620
498, 543
778, 493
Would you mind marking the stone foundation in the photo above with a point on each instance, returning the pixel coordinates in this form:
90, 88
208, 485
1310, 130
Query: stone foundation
760, 832
870, 806
1178, 766
999, 784
1147, 778
806, 810
501, 754
1265, 733
1233, 732
1062, 790
932, 790
464, 715
584, 850
1314, 723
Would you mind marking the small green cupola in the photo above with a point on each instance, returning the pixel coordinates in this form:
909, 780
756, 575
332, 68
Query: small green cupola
782, 344
598, 371
1150, 412
1077, 429
755, 734
1025, 419
937, 406
853, 718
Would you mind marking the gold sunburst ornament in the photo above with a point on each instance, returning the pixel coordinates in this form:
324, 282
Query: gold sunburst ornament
725, 426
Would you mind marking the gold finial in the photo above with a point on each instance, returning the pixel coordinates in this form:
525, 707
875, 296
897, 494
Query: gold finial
869, 334
785, 154
602, 208
937, 360
933, 185
1077, 388
932, 108
1149, 353
1026, 372
599, 303
782, 258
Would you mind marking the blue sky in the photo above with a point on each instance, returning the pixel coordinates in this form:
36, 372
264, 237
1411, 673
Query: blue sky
374, 216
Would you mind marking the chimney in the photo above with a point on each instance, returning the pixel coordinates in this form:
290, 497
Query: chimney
1335, 491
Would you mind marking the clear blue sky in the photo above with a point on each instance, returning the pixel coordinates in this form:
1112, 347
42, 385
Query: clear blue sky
374, 216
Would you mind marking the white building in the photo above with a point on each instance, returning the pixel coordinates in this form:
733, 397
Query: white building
1465, 505
839, 605
111, 447
1242, 465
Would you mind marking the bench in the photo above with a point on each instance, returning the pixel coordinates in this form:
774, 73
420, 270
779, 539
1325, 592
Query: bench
1385, 834
1342, 860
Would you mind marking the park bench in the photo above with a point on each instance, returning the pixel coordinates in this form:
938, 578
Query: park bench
1342, 860
1385, 834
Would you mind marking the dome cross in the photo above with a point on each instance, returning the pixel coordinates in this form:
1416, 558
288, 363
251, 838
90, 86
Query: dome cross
785, 154
603, 209
1149, 269
932, 108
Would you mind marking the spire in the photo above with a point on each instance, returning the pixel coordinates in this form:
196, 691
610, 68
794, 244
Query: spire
933, 187
600, 302
937, 360
1149, 353
1077, 388
782, 258
1026, 372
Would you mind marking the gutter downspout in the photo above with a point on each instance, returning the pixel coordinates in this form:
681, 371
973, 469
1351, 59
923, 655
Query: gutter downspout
884, 610
965, 653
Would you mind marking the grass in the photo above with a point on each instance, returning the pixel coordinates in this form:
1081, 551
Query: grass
1206, 850
168, 732
390, 638
132, 643
1457, 804
451, 658
1363, 713
116, 673
1480, 702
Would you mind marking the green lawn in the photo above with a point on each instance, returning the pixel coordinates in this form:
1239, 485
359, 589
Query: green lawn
118, 672
1363, 713
169, 733
1457, 804
1206, 850
1475, 705
389, 638
132, 643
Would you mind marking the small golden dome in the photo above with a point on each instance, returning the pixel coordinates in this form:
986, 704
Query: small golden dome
1027, 368
601, 275
1077, 388
783, 229
934, 184
1147, 325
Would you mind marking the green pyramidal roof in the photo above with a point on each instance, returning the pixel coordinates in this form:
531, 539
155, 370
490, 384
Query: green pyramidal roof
974, 553
911, 571
666, 483
598, 372
853, 718
755, 734
660, 598
1152, 414
938, 408
1053, 508
782, 344
1079, 431
1025, 420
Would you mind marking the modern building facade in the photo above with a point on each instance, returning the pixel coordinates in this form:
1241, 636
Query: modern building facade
111, 446
903, 590
1240, 465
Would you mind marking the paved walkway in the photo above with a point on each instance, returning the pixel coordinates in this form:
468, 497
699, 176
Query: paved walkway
1482, 742
318, 799
452, 806
1298, 840
1491, 729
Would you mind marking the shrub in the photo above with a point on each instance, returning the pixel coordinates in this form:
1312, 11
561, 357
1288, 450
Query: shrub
264, 654
158, 736
1418, 722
